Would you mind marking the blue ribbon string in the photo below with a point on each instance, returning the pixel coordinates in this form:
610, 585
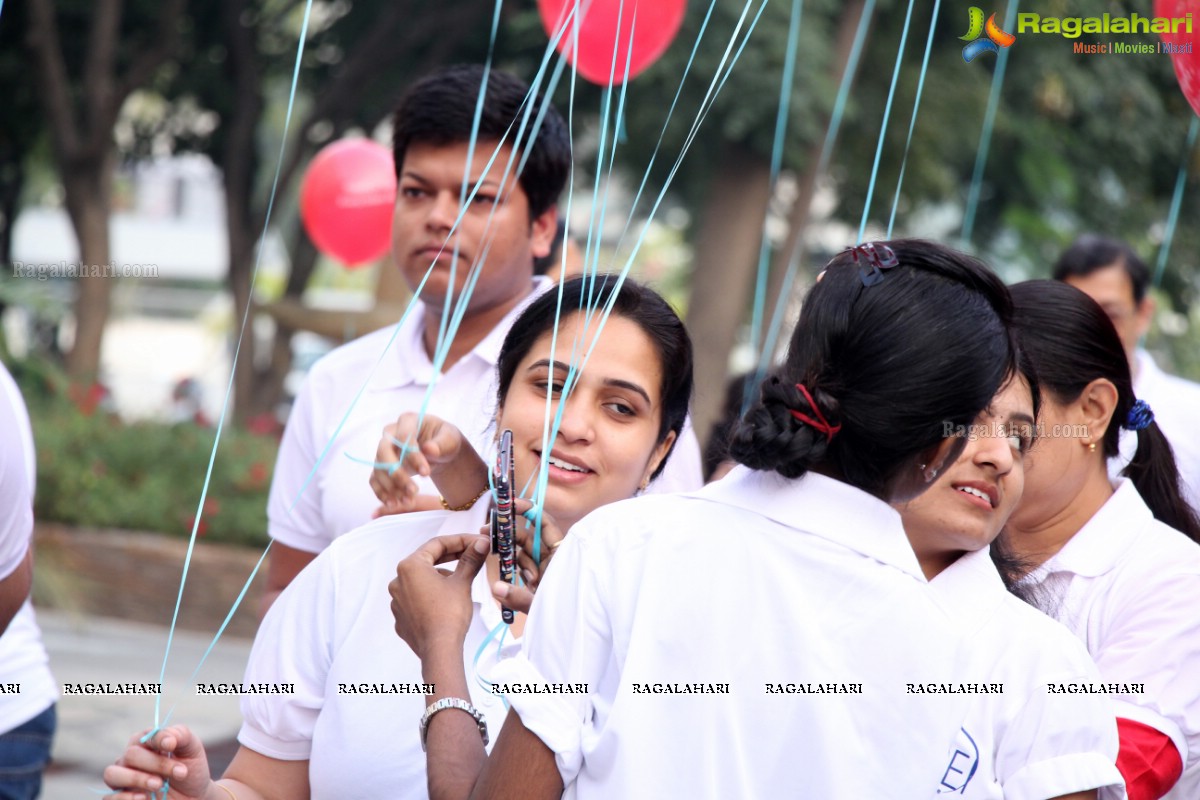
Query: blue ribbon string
835, 123
912, 122
232, 371
989, 122
887, 113
1176, 201
781, 122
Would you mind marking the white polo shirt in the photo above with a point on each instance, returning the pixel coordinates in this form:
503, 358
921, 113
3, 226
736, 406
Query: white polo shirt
331, 632
338, 498
753, 639
23, 659
1176, 403
1041, 736
1129, 587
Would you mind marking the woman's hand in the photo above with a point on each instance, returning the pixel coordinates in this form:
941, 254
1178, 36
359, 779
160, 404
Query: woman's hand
433, 607
431, 447
520, 598
173, 754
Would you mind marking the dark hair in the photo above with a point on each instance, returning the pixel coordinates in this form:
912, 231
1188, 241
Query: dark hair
1008, 563
1073, 342
638, 304
717, 448
1013, 569
898, 365
439, 110
1091, 252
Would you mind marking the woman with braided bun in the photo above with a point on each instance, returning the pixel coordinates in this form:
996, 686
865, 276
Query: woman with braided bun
710, 629
1118, 564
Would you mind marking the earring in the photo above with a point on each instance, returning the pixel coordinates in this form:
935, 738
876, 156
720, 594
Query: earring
1091, 447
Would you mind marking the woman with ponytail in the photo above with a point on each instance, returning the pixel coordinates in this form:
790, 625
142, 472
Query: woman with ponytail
708, 630
1119, 563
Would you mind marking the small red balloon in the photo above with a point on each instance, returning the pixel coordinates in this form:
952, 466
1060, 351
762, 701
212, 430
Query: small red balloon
599, 37
1185, 47
346, 200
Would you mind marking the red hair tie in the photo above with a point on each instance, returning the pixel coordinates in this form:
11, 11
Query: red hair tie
820, 423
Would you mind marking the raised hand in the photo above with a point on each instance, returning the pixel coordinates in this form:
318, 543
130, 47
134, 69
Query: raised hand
433, 606
173, 754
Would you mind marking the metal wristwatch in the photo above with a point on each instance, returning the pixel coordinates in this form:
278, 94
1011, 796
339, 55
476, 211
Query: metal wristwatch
452, 702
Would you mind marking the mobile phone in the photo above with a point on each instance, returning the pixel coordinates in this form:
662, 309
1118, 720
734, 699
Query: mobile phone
503, 522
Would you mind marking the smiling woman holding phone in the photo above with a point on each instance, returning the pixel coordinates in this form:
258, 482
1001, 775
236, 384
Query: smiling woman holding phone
356, 724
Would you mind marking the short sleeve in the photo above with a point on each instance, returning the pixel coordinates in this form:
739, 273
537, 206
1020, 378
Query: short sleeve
294, 645
16, 482
294, 513
1060, 743
567, 640
1154, 642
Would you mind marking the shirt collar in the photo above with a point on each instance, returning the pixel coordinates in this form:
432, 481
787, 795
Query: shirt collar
970, 588
1104, 539
408, 362
823, 507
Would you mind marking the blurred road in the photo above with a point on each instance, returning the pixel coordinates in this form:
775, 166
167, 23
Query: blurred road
93, 729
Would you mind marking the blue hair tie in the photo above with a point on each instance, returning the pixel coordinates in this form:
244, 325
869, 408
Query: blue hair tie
1139, 416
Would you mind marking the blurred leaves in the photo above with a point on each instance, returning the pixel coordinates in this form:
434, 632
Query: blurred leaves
95, 470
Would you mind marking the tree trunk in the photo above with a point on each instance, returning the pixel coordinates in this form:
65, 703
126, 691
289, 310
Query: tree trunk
88, 188
725, 246
81, 116
238, 163
241, 265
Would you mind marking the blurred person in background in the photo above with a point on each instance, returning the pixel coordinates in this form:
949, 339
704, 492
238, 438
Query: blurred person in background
1110, 272
317, 493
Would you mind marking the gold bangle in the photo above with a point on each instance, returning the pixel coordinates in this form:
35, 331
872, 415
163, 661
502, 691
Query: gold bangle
227, 790
464, 506
554, 546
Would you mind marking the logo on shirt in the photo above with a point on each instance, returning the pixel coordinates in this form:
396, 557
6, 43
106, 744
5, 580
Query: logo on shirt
964, 761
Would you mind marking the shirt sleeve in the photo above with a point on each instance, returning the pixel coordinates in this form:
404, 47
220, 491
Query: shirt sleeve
294, 645
567, 640
1153, 644
1060, 743
16, 484
294, 513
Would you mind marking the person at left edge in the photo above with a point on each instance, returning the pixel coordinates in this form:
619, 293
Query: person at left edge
27, 715
509, 224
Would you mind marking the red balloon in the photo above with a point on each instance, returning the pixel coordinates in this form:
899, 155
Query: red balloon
1186, 46
657, 23
346, 200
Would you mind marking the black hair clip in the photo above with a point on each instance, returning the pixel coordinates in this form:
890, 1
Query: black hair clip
871, 259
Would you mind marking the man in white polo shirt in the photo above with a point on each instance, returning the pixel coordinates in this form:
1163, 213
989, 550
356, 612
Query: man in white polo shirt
27, 692
1109, 272
320, 488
